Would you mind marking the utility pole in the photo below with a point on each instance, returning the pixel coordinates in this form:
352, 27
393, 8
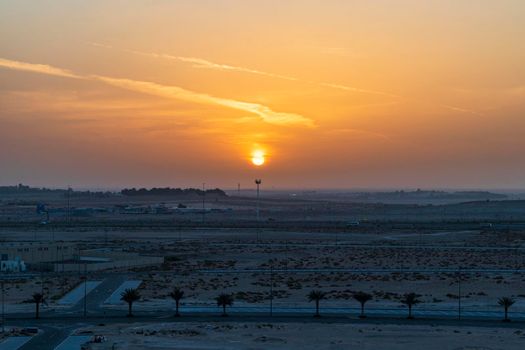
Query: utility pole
459, 295
271, 290
85, 289
3, 308
68, 205
203, 200
258, 183
239, 189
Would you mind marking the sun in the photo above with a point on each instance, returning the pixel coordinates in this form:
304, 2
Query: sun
258, 158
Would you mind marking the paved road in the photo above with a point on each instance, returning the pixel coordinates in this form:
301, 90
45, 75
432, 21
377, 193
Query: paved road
73, 342
98, 295
51, 336
77, 294
56, 331
14, 343
367, 246
280, 311
362, 271
114, 298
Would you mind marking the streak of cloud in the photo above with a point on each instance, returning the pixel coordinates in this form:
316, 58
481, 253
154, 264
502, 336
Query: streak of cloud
461, 110
354, 89
202, 63
175, 92
168, 91
38, 68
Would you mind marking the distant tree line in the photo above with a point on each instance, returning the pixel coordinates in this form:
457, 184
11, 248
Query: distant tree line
431, 195
168, 191
24, 189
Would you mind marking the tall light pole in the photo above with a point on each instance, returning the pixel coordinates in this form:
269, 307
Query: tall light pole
203, 199
459, 294
85, 289
258, 183
271, 290
68, 205
3, 308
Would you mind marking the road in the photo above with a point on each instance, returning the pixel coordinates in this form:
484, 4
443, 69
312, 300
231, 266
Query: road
57, 329
342, 244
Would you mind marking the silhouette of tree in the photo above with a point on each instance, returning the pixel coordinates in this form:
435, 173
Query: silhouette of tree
177, 294
38, 299
317, 296
224, 300
362, 298
410, 300
506, 303
130, 295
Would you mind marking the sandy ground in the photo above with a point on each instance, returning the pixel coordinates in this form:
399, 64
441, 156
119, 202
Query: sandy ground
306, 336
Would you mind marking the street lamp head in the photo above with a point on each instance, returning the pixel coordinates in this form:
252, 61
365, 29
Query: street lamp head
258, 181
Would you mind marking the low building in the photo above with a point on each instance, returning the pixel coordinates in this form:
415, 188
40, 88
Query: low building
37, 252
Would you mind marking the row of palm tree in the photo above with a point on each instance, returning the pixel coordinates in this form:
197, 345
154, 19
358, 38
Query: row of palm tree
224, 300
409, 300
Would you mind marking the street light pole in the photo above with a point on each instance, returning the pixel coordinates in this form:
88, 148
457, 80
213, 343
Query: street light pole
271, 290
3, 308
459, 295
203, 200
258, 183
85, 289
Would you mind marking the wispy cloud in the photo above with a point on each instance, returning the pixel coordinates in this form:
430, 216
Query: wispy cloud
461, 110
175, 92
37, 68
168, 91
203, 63
354, 89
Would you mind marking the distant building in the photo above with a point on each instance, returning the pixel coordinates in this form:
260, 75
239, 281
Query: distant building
37, 252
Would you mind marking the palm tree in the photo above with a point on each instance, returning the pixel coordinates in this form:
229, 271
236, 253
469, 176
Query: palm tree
506, 303
410, 300
224, 300
177, 294
317, 296
130, 295
362, 298
38, 299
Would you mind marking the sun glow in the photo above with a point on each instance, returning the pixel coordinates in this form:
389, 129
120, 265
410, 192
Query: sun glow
258, 158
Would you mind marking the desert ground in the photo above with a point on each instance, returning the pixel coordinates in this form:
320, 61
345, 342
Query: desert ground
459, 258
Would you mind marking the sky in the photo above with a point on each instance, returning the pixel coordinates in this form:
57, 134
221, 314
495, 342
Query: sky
333, 94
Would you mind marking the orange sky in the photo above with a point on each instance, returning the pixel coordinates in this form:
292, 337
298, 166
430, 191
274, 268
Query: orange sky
338, 94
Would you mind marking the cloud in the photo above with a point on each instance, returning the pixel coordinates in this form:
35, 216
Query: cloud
175, 92
461, 110
37, 68
168, 91
354, 89
203, 63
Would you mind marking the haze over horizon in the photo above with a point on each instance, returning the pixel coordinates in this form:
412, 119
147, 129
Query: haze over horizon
335, 94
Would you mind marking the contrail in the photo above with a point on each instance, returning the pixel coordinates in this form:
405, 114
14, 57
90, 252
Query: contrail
202, 63
38, 68
167, 91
